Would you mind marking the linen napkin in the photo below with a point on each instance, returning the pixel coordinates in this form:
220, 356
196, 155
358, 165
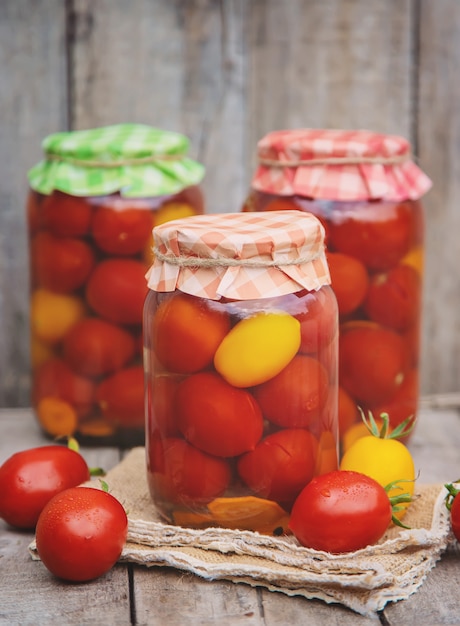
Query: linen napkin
364, 581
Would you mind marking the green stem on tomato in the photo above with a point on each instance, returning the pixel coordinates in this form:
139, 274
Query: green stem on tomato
402, 430
453, 492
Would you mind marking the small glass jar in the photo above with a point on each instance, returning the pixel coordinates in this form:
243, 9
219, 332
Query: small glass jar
366, 191
92, 206
240, 358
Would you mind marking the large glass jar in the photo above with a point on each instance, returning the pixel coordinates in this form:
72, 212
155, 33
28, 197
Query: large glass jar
366, 191
240, 332
93, 203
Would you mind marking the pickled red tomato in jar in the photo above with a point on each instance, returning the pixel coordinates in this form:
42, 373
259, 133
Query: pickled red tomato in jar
241, 390
366, 191
90, 247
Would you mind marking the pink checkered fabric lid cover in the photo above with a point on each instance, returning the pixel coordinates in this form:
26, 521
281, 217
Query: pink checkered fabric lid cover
240, 256
342, 165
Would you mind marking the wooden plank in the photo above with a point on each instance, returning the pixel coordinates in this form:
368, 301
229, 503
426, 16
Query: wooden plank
33, 103
165, 596
437, 602
29, 593
435, 445
176, 65
24, 432
338, 64
439, 139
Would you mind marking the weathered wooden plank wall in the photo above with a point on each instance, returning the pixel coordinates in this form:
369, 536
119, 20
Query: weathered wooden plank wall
225, 73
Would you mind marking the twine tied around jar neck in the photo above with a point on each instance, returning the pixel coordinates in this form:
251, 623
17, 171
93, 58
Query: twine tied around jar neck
345, 160
182, 261
152, 158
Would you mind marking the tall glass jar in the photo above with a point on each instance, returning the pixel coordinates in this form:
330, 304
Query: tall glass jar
93, 203
240, 332
366, 191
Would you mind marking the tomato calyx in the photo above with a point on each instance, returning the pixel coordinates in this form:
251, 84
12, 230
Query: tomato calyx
396, 501
402, 430
73, 444
453, 492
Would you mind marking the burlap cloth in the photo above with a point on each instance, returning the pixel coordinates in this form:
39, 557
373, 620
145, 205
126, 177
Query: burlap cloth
364, 580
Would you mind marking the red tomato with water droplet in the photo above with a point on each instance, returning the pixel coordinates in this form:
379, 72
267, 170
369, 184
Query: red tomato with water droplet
30, 478
81, 533
341, 511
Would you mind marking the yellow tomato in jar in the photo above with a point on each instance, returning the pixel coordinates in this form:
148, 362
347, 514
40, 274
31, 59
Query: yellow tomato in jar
385, 459
257, 348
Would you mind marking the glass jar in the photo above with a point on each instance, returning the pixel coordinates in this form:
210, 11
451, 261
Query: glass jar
366, 191
240, 332
92, 206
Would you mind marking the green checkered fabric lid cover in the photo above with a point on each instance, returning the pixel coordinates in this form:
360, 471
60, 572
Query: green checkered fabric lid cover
134, 159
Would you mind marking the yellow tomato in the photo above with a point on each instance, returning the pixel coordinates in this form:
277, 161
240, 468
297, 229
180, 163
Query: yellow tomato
53, 314
173, 211
355, 432
385, 460
257, 348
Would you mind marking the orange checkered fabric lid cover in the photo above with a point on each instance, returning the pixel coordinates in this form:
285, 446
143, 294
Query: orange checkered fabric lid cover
240, 256
341, 165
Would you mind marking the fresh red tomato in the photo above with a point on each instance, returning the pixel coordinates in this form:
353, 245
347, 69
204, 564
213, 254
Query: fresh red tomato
66, 216
349, 280
116, 290
30, 478
81, 533
187, 333
121, 397
122, 231
341, 511
453, 505
94, 347
378, 235
60, 264
183, 474
372, 362
294, 397
216, 417
393, 298
55, 378
281, 465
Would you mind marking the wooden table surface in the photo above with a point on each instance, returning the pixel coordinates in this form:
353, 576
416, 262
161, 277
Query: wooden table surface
132, 594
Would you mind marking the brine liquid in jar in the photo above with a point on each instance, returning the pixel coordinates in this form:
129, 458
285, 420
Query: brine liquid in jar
366, 191
93, 203
240, 332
